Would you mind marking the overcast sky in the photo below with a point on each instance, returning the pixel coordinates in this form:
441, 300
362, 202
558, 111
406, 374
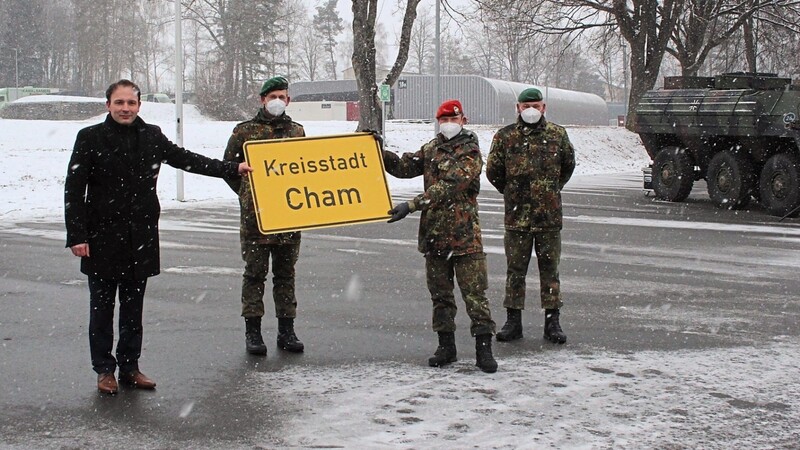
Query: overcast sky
390, 15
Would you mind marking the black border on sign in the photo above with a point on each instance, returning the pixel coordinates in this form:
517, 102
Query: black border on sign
326, 225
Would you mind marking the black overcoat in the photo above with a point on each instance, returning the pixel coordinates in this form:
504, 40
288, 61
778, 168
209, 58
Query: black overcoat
110, 198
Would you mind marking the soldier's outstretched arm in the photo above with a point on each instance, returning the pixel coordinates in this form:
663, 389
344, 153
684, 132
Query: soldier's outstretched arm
409, 165
401, 210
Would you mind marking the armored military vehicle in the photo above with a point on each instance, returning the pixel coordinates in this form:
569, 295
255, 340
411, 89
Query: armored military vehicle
738, 131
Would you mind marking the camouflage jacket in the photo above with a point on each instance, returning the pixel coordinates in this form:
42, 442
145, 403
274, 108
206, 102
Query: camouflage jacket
451, 169
261, 127
529, 165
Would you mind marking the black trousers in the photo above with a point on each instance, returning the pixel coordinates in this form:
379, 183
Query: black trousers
102, 294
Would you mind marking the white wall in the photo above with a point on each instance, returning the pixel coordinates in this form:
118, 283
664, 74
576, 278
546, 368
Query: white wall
309, 111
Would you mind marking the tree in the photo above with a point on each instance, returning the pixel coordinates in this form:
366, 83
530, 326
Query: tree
647, 26
329, 25
779, 39
249, 43
484, 55
420, 47
157, 55
230, 26
58, 44
364, 15
454, 61
21, 35
309, 54
706, 24
607, 49
91, 44
295, 30
506, 24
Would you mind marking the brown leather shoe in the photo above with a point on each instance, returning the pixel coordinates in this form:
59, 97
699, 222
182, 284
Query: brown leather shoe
137, 379
107, 384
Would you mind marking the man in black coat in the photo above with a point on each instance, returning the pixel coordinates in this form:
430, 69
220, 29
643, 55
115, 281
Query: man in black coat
111, 209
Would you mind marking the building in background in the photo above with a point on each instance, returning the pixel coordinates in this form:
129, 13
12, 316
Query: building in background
322, 110
8, 95
485, 100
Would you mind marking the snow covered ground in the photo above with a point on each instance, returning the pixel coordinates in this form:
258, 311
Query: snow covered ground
710, 399
570, 398
36, 154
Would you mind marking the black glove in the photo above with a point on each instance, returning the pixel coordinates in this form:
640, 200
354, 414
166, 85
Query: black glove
377, 136
399, 211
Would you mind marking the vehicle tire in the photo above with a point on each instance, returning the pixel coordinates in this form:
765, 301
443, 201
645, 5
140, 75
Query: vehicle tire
780, 184
730, 180
673, 174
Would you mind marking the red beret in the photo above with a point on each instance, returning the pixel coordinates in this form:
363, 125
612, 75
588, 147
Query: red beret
449, 108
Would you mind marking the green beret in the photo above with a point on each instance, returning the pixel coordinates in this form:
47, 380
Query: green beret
274, 84
530, 95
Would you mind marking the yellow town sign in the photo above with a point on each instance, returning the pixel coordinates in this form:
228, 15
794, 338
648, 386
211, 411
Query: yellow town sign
317, 182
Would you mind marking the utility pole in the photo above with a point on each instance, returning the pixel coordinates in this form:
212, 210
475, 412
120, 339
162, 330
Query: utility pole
625, 77
178, 94
16, 68
438, 67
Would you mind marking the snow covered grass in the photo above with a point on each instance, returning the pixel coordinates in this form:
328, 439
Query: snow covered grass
36, 154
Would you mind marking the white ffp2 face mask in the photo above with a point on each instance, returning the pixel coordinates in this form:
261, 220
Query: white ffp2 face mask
531, 115
449, 129
276, 107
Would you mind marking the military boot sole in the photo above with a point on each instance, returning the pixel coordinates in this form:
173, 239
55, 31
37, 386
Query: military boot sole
434, 362
487, 366
260, 350
289, 343
507, 337
292, 348
555, 339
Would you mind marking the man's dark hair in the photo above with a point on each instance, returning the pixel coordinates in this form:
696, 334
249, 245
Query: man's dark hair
123, 83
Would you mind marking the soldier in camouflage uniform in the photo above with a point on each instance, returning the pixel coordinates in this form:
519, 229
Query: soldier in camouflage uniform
270, 122
529, 162
449, 231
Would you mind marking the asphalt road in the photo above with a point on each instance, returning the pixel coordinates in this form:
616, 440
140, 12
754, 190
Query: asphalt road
637, 275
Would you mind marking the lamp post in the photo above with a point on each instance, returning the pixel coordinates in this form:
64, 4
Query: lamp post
438, 65
179, 95
625, 77
16, 67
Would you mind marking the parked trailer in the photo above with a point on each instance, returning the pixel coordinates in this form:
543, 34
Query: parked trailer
8, 95
738, 131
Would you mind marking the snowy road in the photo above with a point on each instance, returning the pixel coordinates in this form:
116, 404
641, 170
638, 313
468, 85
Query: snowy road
682, 323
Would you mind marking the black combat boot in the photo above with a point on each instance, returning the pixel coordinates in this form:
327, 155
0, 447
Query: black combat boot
512, 330
446, 351
287, 340
252, 336
483, 353
552, 329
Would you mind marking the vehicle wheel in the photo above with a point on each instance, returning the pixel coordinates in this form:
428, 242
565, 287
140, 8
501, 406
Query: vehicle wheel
730, 180
673, 174
780, 184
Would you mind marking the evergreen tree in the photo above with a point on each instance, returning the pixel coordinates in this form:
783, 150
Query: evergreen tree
21, 34
328, 24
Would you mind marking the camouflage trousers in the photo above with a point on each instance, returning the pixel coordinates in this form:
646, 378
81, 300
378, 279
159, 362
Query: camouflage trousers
519, 245
256, 258
470, 271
